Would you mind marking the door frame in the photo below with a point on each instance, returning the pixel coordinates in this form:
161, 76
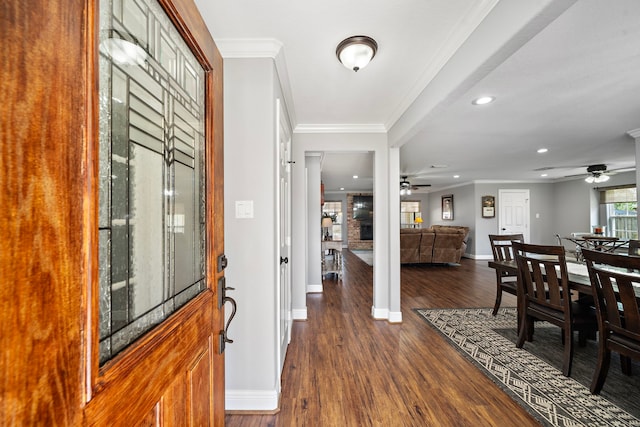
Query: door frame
283, 234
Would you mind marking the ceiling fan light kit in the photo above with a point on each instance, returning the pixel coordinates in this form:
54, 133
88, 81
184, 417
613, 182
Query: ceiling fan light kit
597, 174
406, 186
356, 52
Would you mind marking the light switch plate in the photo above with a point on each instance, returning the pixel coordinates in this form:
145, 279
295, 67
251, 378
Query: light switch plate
244, 208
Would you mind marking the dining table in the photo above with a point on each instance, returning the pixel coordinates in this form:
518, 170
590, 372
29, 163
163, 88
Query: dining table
597, 242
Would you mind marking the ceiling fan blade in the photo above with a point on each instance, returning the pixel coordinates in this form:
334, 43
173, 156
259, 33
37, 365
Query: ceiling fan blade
548, 168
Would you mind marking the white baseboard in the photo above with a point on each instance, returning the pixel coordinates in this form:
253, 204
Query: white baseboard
395, 317
314, 288
299, 313
379, 313
251, 400
479, 257
385, 314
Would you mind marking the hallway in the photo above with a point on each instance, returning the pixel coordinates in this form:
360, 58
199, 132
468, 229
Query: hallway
345, 369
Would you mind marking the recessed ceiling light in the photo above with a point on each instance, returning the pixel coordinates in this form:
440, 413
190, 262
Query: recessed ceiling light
341, 188
543, 175
483, 100
456, 176
355, 176
542, 150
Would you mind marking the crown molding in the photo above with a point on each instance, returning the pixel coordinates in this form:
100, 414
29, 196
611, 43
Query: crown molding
340, 128
634, 133
262, 48
467, 25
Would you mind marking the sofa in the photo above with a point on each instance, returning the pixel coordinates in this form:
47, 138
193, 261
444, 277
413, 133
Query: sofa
438, 244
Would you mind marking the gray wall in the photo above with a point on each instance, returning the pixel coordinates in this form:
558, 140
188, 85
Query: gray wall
250, 92
556, 208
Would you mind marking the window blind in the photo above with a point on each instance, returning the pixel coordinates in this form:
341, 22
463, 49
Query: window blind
623, 194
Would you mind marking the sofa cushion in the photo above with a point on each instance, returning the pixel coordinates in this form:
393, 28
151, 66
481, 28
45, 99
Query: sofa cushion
410, 245
447, 246
426, 245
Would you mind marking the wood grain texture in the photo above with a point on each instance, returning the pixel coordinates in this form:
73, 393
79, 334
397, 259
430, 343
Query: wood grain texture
42, 259
344, 368
48, 256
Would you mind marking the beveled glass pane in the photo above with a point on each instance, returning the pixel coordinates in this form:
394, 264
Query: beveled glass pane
105, 283
146, 192
184, 227
151, 198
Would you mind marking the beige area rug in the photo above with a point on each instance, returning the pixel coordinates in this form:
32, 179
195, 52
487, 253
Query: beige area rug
365, 255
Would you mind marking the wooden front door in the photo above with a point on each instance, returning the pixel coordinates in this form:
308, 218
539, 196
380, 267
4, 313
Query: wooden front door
49, 262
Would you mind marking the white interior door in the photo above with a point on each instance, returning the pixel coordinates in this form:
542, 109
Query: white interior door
513, 212
284, 233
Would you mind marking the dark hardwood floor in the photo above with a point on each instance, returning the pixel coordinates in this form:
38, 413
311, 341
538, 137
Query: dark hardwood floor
344, 368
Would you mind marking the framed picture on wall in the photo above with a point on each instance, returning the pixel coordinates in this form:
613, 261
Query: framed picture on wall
447, 207
488, 206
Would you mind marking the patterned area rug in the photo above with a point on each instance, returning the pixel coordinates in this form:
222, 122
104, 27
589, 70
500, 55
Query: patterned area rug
535, 381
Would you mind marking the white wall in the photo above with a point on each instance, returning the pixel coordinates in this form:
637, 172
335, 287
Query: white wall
250, 91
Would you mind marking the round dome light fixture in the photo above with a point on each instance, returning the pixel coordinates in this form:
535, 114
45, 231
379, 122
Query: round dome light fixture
356, 52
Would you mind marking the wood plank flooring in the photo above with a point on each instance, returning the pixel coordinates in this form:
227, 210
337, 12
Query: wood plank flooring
345, 369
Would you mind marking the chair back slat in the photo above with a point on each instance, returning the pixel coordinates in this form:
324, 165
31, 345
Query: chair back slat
615, 279
501, 246
542, 274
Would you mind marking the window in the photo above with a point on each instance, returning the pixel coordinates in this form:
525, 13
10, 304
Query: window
152, 190
619, 207
409, 212
334, 210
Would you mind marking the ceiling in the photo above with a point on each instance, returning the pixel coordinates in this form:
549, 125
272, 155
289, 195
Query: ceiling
565, 74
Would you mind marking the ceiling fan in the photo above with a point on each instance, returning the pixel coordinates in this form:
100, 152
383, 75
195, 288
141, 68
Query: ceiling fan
406, 186
597, 174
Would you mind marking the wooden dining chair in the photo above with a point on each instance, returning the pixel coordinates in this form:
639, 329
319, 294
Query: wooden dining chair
634, 247
503, 251
614, 279
544, 294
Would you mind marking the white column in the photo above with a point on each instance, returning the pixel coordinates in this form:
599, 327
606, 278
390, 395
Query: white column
395, 313
635, 134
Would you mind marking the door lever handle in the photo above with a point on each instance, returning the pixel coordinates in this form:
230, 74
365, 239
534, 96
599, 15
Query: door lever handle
222, 336
234, 307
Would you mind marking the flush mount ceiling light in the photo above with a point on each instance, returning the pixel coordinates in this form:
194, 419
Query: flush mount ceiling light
483, 100
356, 52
